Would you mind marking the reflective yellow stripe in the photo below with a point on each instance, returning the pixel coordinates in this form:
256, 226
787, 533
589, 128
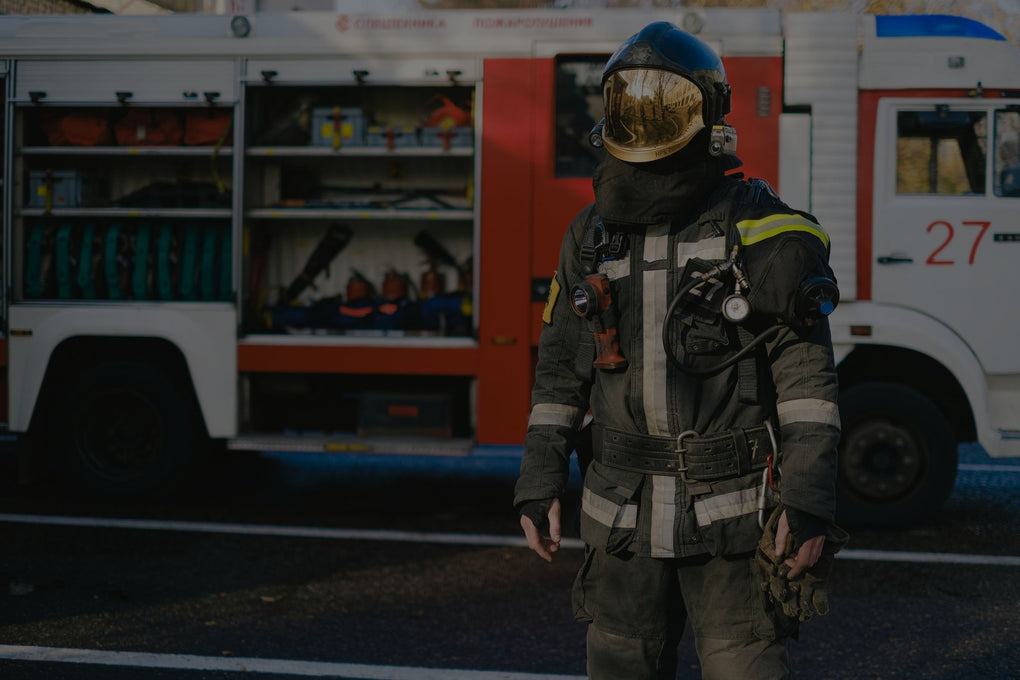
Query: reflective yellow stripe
753, 231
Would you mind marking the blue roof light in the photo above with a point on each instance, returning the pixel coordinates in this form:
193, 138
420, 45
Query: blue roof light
932, 25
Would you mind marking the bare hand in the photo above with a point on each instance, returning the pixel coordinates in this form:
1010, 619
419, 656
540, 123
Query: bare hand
802, 558
545, 547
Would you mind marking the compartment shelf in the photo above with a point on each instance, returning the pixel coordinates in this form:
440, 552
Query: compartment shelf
125, 151
359, 214
193, 213
358, 151
380, 339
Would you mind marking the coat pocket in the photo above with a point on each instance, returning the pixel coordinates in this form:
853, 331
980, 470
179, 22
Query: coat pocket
582, 595
706, 337
609, 507
728, 515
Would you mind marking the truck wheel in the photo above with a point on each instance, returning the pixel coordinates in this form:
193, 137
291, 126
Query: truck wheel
897, 456
124, 428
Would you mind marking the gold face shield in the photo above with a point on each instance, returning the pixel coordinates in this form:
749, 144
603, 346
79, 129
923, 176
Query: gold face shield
650, 113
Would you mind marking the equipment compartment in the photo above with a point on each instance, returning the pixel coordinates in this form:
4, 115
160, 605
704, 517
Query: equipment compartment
357, 223
123, 203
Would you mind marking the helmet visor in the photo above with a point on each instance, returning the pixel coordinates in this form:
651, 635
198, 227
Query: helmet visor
650, 113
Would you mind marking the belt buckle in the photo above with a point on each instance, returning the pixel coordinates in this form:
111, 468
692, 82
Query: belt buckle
680, 450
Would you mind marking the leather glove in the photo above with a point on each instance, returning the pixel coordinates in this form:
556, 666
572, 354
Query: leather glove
807, 595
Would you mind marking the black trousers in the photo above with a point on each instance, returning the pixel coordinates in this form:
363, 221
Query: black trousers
637, 608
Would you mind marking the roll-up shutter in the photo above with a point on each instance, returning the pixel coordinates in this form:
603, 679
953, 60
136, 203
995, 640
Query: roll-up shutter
369, 71
146, 81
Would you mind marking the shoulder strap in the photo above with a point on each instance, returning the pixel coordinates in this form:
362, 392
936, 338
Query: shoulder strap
594, 235
738, 194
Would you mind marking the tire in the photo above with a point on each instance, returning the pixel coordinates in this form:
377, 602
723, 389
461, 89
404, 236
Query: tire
897, 456
124, 429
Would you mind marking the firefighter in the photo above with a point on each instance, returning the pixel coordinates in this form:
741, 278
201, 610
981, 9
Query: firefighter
688, 318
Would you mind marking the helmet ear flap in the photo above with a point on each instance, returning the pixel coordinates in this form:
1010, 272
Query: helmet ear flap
721, 99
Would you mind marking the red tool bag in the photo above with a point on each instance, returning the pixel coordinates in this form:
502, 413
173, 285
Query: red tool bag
447, 114
149, 127
77, 129
206, 128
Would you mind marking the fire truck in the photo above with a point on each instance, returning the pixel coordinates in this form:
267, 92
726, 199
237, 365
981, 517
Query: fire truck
335, 232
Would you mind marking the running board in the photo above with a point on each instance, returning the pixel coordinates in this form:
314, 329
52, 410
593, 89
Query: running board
408, 446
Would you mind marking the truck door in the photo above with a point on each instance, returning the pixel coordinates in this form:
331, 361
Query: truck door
946, 224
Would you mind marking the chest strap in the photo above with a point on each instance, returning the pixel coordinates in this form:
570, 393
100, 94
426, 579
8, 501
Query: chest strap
689, 456
747, 370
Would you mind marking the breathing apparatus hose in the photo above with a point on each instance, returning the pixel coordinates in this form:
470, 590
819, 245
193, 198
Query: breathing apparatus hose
712, 370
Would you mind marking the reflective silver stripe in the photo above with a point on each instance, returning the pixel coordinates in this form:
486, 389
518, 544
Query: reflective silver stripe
808, 411
653, 366
726, 506
608, 513
560, 415
663, 515
616, 269
708, 249
656, 243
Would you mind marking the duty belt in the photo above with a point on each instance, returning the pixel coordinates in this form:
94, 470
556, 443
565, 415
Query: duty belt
690, 456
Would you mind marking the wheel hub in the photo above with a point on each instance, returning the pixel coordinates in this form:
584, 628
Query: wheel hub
120, 434
881, 460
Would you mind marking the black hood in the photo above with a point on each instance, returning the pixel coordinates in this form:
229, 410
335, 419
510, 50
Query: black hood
643, 194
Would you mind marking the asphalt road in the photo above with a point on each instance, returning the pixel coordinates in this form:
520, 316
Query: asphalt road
392, 568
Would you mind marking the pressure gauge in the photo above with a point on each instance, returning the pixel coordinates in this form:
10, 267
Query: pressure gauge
736, 308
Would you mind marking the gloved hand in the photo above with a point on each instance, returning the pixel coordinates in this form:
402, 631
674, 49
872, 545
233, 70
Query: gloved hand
806, 595
538, 513
540, 521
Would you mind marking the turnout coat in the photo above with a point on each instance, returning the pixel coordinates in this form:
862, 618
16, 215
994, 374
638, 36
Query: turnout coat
787, 381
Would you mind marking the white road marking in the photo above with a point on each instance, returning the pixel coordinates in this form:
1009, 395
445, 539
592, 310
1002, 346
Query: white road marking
930, 557
315, 669
979, 467
275, 530
475, 540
